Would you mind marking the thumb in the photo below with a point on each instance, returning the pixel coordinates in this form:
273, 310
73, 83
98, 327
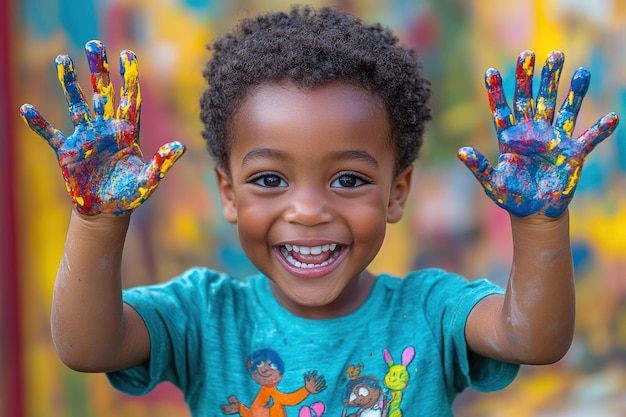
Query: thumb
162, 161
155, 170
479, 165
41, 126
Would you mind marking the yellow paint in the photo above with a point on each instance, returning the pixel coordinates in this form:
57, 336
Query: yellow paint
559, 160
526, 64
61, 74
553, 143
541, 108
167, 164
106, 91
131, 79
572, 181
568, 127
79, 200
144, 193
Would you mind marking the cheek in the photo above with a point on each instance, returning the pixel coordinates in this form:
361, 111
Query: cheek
368, 221
254, 221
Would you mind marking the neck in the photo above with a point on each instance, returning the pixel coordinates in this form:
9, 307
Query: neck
351, 298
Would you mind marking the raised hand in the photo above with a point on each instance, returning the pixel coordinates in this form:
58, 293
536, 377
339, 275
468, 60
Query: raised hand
539, 164
101, 162
313, 383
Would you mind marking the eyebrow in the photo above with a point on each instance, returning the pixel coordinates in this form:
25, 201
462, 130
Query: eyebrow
357, 155
261, 153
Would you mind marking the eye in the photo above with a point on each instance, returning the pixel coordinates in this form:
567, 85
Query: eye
269, 180
352, 397
348, 180
363, 392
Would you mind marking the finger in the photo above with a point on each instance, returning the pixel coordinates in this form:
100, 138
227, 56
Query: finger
566, 119
130, 95
155, 170
550, 76
500, 111
79, 112
479, 165
601, 130
103, 95
39, 125
523, 105
163, 160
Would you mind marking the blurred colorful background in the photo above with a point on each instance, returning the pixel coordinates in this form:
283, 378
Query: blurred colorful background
450, 223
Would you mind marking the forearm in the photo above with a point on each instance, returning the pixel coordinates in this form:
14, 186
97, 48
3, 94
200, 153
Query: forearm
535, 319
539, 307
87, 319
533, 323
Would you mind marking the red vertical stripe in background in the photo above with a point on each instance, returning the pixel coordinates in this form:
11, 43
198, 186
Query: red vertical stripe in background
11, 358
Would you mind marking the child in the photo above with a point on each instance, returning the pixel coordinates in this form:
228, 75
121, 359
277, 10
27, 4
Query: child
314, 120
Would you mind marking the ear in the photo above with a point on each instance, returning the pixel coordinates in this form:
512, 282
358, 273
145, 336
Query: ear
399, 194
227, 195
407, 355
388, 358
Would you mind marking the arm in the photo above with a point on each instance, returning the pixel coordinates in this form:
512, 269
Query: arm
534, 180
106, 178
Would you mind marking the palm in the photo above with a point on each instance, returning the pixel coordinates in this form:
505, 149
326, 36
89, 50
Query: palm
101, 161
539, 164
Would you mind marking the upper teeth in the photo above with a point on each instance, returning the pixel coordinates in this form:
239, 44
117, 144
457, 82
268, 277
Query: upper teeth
311, 250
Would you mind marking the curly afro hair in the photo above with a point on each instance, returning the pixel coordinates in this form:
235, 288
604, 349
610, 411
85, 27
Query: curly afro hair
313, 47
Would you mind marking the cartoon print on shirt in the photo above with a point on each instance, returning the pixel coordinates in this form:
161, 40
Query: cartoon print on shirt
267, 369
364, 392
397, 379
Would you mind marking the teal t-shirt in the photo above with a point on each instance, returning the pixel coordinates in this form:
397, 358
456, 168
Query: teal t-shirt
404, 349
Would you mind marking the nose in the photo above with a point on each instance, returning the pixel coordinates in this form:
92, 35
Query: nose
308, 207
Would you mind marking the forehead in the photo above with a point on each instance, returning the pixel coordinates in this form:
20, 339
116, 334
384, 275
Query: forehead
329, 96
333, 115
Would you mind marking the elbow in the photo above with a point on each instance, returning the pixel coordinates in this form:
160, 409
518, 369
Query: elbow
545, 351
546, 357
77, 358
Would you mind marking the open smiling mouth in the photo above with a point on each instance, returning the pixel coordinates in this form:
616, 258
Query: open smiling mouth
308, 257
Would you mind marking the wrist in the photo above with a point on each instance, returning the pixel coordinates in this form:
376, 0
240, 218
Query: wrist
103, 226
539, 228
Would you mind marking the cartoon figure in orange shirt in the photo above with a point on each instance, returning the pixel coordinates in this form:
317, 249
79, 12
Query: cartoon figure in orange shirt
267, 368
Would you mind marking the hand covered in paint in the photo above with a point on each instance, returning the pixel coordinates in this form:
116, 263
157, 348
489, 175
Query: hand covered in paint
101, 161
539, 164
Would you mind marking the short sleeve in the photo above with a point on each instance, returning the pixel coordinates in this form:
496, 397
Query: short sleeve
478, 372
169, 311
449, 300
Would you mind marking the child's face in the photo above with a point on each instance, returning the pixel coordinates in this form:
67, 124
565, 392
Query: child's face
312, 187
